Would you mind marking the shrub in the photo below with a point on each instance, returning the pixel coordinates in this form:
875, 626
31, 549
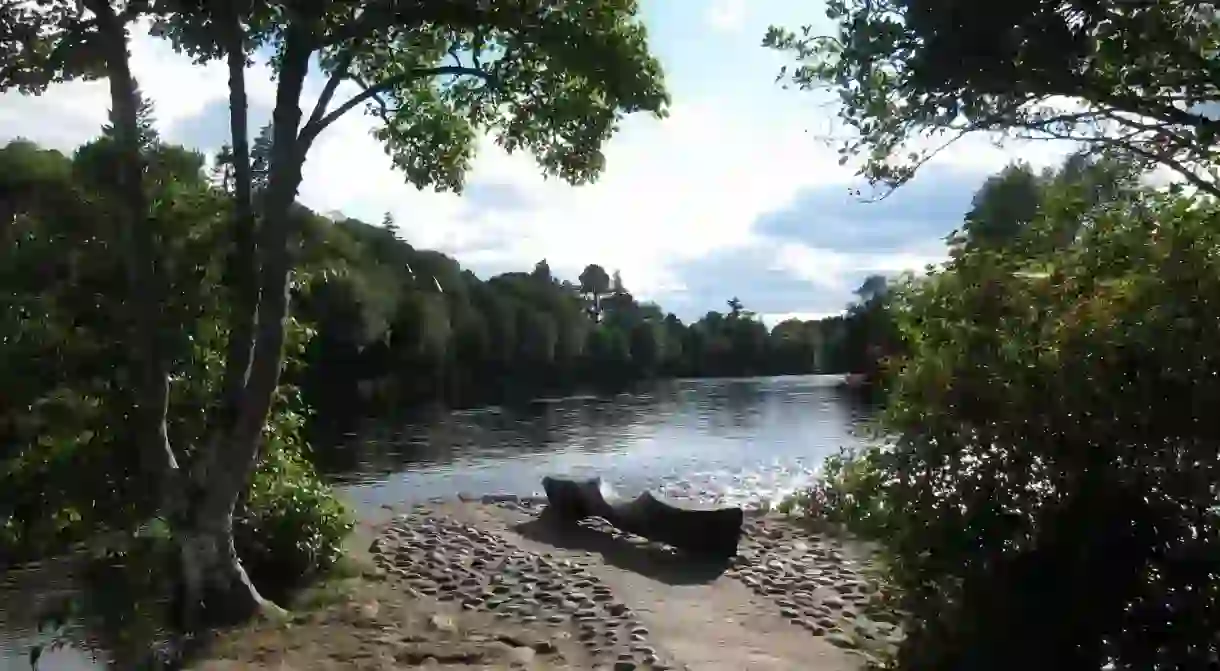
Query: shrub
290, 525
849, 493
1051, 498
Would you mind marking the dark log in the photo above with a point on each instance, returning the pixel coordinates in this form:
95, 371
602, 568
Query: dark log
691, 528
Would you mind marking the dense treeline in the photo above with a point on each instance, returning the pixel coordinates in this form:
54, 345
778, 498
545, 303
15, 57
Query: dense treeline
1050, 497
397, 326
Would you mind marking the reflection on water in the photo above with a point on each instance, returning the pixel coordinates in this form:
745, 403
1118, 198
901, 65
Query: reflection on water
24, 593
729, 440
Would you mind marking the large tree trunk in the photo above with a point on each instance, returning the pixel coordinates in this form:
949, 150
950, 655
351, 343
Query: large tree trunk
146, 285
216, 587
214, 570
243, 256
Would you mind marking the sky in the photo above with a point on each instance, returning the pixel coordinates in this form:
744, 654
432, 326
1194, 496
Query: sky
737, 193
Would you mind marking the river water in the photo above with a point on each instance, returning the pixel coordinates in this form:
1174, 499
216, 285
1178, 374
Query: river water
729, 440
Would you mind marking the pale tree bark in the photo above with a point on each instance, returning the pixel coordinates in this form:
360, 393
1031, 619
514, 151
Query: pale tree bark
213, 570
216, 586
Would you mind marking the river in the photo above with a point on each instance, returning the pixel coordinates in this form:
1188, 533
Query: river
731, 440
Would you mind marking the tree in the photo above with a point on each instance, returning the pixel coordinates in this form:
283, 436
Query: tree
542, 272
616, 283
595, 283
1005, 213
1030, 519
735, 307
553, 80
873, 287
1136, 78
590, 67
1003, 207
594, 280
53, 41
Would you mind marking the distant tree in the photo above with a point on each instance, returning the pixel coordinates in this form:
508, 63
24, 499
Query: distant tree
616, 284
1004, 207
873, 287
542, 272
593, 280
594, 283
735, 307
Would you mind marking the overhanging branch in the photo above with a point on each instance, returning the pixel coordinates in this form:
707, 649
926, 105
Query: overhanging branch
328, 91
1129, 144
385, 107
312, 129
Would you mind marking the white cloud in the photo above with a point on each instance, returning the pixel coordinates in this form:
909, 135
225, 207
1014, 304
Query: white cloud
726, 15
675, 190
834, 271
773, 318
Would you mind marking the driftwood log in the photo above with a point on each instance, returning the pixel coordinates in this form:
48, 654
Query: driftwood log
690, 528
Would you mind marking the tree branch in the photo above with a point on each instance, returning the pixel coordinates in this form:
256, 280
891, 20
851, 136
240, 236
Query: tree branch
328, 91
367, 21
312, 129
385, 108
1129, 145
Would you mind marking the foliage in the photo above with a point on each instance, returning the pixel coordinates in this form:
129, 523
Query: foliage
290, 525
550, 78
1133, 77
1050, 495
863, 338
65, 361
851, 492
1006, 207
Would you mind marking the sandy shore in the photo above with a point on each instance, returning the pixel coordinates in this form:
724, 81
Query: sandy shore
485, 584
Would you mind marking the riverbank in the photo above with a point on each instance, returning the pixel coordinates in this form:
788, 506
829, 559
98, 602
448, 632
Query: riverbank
485, 584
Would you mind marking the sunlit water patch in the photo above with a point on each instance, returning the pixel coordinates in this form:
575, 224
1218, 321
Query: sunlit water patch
729, 441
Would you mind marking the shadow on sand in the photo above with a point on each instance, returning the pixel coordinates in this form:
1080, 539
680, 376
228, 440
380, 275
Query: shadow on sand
651, 560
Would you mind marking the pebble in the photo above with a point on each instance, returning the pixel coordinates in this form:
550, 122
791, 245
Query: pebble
809, 580
444, 558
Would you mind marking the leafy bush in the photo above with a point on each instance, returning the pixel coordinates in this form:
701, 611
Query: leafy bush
850, 493
67, 472
290, 525
1051, 498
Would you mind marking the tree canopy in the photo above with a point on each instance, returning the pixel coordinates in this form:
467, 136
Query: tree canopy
1136, 78
1047, 497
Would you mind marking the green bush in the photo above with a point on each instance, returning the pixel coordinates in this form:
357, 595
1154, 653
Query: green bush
1051, 497
850, 493
290, 525
67, 472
